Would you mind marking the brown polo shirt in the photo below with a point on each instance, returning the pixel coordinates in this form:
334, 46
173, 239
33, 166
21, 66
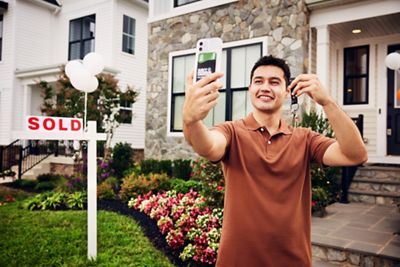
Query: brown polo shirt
267, 210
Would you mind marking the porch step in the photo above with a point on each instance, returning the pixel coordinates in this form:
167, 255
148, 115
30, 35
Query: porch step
357, 234
376, 185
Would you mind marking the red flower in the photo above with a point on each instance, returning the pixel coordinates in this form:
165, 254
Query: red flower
9, 198
313, 203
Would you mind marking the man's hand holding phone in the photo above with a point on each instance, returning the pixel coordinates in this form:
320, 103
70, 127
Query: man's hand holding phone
200, 97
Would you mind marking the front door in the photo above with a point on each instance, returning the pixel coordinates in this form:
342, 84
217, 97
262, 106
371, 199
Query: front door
393, 108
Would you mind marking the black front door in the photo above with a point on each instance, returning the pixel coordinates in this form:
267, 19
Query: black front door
393, 108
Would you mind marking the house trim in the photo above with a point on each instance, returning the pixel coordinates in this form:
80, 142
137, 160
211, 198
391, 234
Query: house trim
185, 9
262, 40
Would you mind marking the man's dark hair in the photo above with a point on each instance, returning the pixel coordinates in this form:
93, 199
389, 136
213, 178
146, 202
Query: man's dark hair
272, 61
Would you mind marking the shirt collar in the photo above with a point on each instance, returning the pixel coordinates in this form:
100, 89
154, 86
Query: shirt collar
251, 124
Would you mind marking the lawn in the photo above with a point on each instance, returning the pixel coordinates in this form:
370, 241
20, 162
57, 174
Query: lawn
59, 238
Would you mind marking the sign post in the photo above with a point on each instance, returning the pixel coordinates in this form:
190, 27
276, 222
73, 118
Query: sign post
54, 128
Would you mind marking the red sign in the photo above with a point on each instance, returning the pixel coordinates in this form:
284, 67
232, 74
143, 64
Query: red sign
53, 124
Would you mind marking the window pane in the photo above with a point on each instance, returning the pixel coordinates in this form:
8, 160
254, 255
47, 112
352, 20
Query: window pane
75, 30
243, 59
223, 68
178, 112
1, 26
75, 51
88, 28
249, 105
125, 116
356, 60
184, 2
88, 46
182, 66
238, 67
128, 44
219, 110
129, 25
356, 91
239, 104
396, 88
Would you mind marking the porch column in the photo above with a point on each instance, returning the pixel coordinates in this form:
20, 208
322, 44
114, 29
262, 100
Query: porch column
323, 64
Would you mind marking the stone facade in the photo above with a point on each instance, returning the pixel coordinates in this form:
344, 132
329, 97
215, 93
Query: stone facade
283, 22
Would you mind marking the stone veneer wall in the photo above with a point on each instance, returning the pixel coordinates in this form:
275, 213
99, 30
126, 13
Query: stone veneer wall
283, 22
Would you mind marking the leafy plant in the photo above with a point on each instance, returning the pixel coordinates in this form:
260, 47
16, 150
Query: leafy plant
319, 201
182, 186
54, 201
77, 200
134, 185
181, 168
105, 191
327, 178
212, 179
122, 158
156, 166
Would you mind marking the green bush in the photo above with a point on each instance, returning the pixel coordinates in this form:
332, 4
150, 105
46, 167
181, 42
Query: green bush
105, 191
148, 166
45, 186
122, 158
77, 200
319, 201
48, 177
182, 186
212, 179
25, 184
56, 201
135, 185
181, 168
327, 178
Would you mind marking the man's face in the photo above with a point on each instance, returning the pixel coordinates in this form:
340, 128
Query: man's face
268, 89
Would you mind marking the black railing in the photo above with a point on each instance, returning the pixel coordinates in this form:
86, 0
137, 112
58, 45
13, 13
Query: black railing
9, 155
349, 172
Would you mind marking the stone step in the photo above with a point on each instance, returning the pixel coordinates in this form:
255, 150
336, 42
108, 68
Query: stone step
385, 173
374, 197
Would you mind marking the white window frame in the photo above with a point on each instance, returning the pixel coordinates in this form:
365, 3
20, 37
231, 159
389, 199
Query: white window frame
262, 40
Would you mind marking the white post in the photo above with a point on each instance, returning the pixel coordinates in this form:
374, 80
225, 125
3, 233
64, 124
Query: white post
92, 190
323, 57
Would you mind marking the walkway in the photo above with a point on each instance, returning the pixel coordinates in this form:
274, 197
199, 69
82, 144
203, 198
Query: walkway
359, 228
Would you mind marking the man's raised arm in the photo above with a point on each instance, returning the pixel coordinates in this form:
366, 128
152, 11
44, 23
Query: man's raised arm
200, 98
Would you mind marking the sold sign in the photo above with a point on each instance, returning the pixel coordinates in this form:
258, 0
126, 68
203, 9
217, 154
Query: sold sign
53, 124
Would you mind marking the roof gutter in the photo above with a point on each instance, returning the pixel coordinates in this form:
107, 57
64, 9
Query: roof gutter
49, 6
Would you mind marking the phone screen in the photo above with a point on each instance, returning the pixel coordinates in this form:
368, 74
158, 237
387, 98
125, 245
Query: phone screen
206, 64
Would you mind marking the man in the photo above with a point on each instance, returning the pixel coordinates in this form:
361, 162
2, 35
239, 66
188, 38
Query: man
266, 163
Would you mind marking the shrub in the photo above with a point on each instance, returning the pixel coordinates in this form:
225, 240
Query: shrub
134, 185
77, 200
104, 170
48, 177
181, 168
156, 166
105, 191
182, 186
212, 179
319, 201
121, 158
75, 182
327, 178
45, 186
25, 184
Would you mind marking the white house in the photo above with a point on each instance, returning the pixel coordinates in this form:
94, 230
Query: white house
344, 42
37, 36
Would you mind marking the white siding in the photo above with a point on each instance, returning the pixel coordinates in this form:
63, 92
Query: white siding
133, 70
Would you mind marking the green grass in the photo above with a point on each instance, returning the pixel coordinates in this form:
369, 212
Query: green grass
59, 238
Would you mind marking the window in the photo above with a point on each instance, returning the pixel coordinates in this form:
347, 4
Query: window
125, 112
81, 37
128, 35
178, 3
234, 101
1, 36
356, 65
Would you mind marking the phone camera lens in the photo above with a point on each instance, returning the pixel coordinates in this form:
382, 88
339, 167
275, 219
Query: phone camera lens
201, 43
200, 49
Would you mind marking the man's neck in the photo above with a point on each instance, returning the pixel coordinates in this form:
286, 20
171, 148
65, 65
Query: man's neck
270, 120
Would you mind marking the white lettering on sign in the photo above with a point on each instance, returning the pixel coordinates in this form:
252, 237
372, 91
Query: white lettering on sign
53, 124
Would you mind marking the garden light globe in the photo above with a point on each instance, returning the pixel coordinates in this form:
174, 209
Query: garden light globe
392, 61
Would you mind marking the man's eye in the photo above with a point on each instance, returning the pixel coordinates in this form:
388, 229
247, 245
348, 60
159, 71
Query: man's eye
274, 83
257, 82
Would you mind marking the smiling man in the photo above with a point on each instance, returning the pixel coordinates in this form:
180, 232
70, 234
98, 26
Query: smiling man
266, 163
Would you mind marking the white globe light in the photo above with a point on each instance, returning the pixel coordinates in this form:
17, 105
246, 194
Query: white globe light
392, 61
72, 67
94, 63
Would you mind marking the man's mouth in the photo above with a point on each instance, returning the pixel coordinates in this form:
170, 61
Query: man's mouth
265, 97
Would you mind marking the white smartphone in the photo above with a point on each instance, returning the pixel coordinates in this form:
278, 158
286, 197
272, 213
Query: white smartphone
208, 57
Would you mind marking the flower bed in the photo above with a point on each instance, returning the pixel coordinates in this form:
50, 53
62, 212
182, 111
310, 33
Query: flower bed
186, 222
